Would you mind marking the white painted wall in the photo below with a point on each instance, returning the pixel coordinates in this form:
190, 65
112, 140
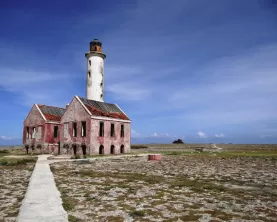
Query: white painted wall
95, 63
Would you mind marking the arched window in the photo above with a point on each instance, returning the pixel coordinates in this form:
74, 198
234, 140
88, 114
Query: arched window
84, 149
112, 149
74, 149
101, 149
122, 149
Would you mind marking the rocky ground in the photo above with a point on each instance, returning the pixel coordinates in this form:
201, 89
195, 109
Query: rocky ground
14, 179
178, 188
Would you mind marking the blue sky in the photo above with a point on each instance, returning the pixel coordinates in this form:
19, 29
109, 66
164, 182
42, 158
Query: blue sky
203, 71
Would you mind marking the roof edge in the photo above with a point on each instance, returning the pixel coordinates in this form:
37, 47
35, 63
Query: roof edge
53, 122
123, 112
110, 119
83, 105
51, 106
36, 105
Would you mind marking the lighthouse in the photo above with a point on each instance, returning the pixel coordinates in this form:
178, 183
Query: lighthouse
95, 71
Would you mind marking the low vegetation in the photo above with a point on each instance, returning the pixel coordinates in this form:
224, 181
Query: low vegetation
184, 186
16, 162
14, 178
139, 147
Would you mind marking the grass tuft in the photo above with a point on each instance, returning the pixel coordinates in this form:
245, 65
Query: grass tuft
138, 213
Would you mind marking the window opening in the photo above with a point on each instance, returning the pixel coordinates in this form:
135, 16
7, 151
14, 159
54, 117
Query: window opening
74, 129
122, 131
84, 130
112, 130
56, 129
101, 129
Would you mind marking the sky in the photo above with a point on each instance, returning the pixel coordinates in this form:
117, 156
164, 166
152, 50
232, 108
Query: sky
202, 71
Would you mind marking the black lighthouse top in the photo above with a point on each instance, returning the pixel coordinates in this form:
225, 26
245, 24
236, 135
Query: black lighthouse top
95, 47
96, 42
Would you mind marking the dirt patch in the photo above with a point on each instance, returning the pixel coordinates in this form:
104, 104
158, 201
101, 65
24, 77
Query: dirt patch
178, 188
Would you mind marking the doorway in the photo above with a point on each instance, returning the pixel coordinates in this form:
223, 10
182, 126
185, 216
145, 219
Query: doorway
122, 149
84, 149
101, 149
112, 149
74, 149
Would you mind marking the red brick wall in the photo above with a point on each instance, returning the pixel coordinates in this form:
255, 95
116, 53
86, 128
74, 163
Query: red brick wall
107, 141
75, 112
49, 133
34, 119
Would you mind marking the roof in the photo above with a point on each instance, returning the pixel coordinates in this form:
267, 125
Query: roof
104, 109
52, 113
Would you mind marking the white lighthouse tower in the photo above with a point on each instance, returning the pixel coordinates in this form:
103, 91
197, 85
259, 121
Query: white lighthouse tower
95, 74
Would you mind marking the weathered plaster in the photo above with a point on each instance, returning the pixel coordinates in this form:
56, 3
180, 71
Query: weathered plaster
75, 112
107, 141
44, 141
95, 77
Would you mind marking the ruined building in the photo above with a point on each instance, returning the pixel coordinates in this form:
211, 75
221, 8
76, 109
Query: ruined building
86, 125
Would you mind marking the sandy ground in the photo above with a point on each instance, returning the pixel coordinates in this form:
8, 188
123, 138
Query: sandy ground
13, 185
178, 188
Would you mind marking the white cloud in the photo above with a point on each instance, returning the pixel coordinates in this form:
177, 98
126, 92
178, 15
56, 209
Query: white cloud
202, 134
134, 133
220, 135
35, 87
231, 90
160, 135
265, 136
5, 138
127, 91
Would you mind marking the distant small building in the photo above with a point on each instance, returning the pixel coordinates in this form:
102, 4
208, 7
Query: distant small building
86, 125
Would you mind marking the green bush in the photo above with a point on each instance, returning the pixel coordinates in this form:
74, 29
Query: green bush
138, 213
14, 162
3, 162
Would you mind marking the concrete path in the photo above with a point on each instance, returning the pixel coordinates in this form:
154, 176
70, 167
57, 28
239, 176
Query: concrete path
42, 202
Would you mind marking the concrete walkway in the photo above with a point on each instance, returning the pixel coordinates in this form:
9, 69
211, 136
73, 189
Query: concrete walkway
42, 202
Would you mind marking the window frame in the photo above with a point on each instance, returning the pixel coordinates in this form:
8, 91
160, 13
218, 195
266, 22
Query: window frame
33, 136
122, 130
101, 129
112, 132
83, 128
27, 132
74, 129
56, 132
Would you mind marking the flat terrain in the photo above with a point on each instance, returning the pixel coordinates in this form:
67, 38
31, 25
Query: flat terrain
14, 178
184, 186
208, 147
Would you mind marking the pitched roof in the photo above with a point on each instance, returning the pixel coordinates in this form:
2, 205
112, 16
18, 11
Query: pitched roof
104, 109
52, 113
